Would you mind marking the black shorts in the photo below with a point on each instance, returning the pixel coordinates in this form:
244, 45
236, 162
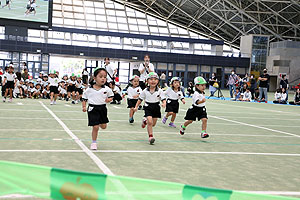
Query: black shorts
131, 103
79, 90
10, 84
172, 106
97, 114
54, 89
71, 88
32, 9
28, 7
152, 109
196, 112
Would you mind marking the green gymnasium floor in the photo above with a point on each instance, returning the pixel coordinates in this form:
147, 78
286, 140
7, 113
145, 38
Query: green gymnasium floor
253, 147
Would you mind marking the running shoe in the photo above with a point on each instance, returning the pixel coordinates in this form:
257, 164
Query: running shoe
171, 124
144, 123
204, 135
151, 140
94, 146
164, 120
182, 130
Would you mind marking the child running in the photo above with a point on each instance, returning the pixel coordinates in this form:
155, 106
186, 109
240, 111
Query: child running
152, 96
173, 94
198, 109
97, 96
133, 93
53, 83
72, 88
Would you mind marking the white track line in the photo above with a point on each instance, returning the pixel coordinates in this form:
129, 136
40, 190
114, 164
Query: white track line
98, 162
165, 152
285, 193
255, 126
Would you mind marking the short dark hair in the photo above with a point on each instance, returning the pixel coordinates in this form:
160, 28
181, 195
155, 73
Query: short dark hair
106, 58
147, 55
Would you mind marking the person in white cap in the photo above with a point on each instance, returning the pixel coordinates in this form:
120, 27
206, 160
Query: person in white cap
152, 96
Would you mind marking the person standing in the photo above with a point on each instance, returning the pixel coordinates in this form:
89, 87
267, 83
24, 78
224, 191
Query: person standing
111, 70
212, 84
145, 68
253, 85
263, 85
85, 76
233, 79
162, 80
284, 83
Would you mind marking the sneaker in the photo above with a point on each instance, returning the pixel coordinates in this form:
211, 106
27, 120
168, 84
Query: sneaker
172, 125
164, 120
4, 99
151, 140
9, 100
94, 146
182, 130
131, 120
204, 135
76, 102
54, 102
144, 123
119, 102
51, 103
73, 102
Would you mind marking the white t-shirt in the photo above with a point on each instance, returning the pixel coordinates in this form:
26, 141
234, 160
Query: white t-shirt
198, 97
79, 84
97, 97
155, 97
71, 82
143, 76
171, 94
44, 83
9, 77
247, 96
39, 80
131, 92
47, 91
62, 90
53, 81
110, 70
117, 90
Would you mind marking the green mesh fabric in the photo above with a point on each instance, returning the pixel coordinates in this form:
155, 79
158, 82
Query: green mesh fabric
62, 184
24, 179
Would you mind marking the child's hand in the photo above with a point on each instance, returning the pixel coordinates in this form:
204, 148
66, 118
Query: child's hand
107, 100
135, 109
183, 101
163, 104
203, 100
83, 109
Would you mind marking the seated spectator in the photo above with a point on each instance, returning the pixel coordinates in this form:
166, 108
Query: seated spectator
280, 96
213, 85
244, 88
296, 98
247, 95
117, 93
237, 95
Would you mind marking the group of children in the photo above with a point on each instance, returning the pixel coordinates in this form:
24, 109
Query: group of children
99, 94
46, 87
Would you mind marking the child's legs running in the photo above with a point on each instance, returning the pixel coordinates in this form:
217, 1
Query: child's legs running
188, 122
173, 117
6, 92
51, 96
204, 124
95, 132
168, 114
154, 121
69, 94
77, 96
103, 126
11, 93
55, 97
131, 112
149, 126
